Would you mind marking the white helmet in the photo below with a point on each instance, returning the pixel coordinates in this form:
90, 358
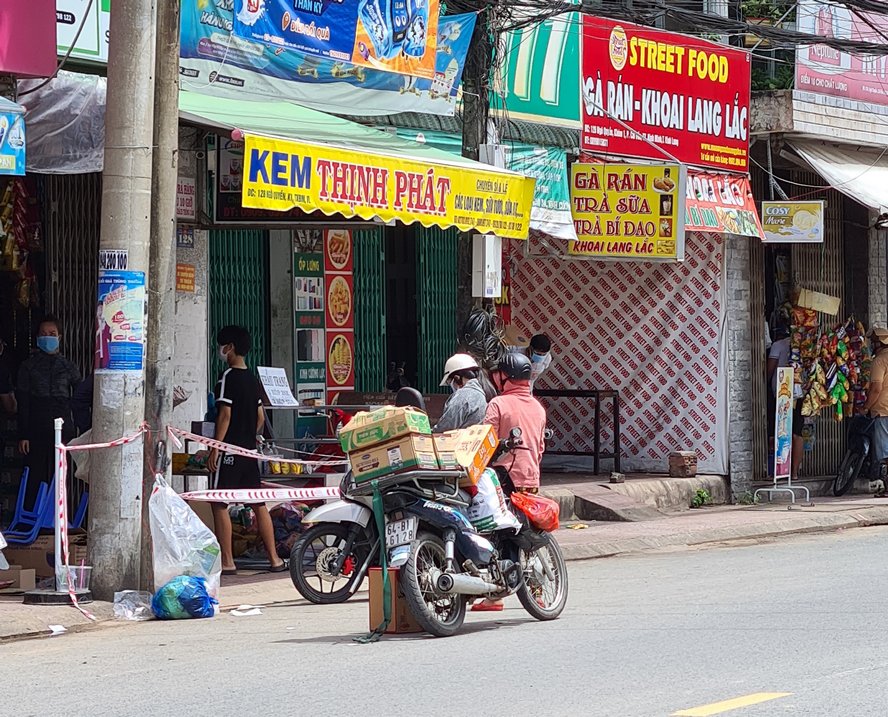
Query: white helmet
457, 362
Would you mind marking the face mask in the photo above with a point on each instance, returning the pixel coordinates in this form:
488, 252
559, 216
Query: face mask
537, 358
454, 386
223, 354
48, 344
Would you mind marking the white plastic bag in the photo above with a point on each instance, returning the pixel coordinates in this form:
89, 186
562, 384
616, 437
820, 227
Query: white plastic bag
181, 543
488, 511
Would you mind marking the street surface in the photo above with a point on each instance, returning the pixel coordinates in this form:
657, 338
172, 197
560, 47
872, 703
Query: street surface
795, 626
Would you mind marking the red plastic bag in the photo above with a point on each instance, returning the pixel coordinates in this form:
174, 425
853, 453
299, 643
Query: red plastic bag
541, 512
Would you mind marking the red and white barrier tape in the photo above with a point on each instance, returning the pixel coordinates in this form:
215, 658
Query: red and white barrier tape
261, 495
62, 506
177, 433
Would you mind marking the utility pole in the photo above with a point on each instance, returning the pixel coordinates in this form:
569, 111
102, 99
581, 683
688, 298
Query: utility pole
119, 400
475, 109
161, 276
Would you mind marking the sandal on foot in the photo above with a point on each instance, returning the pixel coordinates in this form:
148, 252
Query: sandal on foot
232, 571
487, 606
282, 568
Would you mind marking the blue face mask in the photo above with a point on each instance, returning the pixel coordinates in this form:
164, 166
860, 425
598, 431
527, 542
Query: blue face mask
537, 358
48, 344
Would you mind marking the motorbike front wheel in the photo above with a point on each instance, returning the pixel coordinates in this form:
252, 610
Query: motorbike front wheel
439, 615
543, 590
848, 472
313, 556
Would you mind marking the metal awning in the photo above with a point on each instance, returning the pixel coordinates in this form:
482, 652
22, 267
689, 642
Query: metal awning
295, 157
861, 174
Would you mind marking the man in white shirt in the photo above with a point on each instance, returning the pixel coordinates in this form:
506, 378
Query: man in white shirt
540, 354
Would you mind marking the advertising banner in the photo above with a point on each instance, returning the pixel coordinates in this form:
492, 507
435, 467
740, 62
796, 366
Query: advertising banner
391, 36
12, 139
214, 60
120, 321
783, 424
280, 175
827, 71
628, 211
793, 222
721, 203
95, 16
308, 299
340, 318
685, 95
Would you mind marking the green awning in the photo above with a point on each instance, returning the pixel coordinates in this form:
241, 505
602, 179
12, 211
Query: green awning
291, 121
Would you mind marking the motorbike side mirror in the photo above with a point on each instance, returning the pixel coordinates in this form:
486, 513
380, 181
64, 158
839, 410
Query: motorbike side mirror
548, 434
515, 432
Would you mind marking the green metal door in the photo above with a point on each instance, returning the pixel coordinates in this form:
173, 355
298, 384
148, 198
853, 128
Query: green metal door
238, 291
370, 351
436, 281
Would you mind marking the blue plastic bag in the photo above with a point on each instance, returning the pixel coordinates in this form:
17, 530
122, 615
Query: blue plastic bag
183, 597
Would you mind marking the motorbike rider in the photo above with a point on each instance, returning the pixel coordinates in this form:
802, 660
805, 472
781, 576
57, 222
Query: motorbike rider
467, 405
516, 407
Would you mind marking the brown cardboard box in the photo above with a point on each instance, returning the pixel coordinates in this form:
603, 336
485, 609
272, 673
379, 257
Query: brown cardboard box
402, 619
22, 578
410, 452
445, 447
40, 555
473, 449
370, 428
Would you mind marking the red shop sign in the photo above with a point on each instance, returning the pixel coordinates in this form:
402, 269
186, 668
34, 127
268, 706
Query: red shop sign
686, 95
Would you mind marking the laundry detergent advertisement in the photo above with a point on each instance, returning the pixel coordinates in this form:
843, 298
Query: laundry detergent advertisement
120, 321
628, 211
214, 59
660, 95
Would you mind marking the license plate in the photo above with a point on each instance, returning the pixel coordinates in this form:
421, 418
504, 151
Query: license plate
400, 532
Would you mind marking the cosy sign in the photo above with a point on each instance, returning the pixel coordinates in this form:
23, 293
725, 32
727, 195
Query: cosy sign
644, 87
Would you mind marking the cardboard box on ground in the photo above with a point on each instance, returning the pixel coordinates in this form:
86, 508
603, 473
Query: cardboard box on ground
402, 619
22, 578
40, 555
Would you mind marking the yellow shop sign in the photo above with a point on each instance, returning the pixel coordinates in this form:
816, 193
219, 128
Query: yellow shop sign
280, 175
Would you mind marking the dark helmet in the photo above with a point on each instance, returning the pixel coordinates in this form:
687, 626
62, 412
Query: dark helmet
410, 397
515, 365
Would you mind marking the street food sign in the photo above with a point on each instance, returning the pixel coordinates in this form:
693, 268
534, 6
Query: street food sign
628, 211
655, 94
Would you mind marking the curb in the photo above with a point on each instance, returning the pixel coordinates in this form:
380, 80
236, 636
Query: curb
798, 524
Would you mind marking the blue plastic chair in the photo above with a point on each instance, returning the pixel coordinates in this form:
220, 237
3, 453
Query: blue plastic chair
25, 521
79, 514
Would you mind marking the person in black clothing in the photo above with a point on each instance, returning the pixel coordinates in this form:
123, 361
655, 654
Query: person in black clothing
45, 384
240, 419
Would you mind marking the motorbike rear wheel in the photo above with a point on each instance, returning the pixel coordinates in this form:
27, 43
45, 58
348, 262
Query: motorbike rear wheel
311, 557
439, 615
848, 472
543, 593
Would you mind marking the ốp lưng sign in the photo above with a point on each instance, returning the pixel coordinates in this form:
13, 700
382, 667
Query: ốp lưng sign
687, 96
628, 211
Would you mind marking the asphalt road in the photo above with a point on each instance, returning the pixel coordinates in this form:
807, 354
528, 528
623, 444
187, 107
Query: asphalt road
643, 636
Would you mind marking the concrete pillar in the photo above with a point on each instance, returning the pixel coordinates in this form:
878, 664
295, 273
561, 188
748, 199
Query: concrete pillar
738, 335
877, 278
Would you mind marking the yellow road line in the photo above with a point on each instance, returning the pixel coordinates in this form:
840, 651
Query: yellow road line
717, 708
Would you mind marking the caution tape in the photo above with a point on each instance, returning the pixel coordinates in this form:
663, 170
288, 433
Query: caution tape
261, 495
177, 433
62, 505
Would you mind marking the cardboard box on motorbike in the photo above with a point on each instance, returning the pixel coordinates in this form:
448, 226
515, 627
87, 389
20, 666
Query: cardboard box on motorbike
370, 428
468, 448
410, 452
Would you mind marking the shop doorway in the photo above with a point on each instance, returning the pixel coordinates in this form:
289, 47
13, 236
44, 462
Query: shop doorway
400, 309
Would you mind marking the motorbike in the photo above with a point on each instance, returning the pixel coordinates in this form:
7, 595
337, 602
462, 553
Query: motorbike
444, 560
858, 459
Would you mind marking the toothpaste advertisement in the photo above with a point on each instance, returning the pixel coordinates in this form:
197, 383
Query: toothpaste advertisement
643, 87
120, 321
391, 35
215, 60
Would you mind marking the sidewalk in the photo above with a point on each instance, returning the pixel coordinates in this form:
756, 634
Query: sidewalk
721, 524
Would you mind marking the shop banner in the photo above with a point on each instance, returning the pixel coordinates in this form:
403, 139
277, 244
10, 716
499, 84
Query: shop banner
687, 96
12, 139
186, 190
94, 16
340, 316
120, 321
550, 214
793, 222
783, 424
215, 61
395, 37
308, 298
280, 175
628, 211
825, 70
721, 203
